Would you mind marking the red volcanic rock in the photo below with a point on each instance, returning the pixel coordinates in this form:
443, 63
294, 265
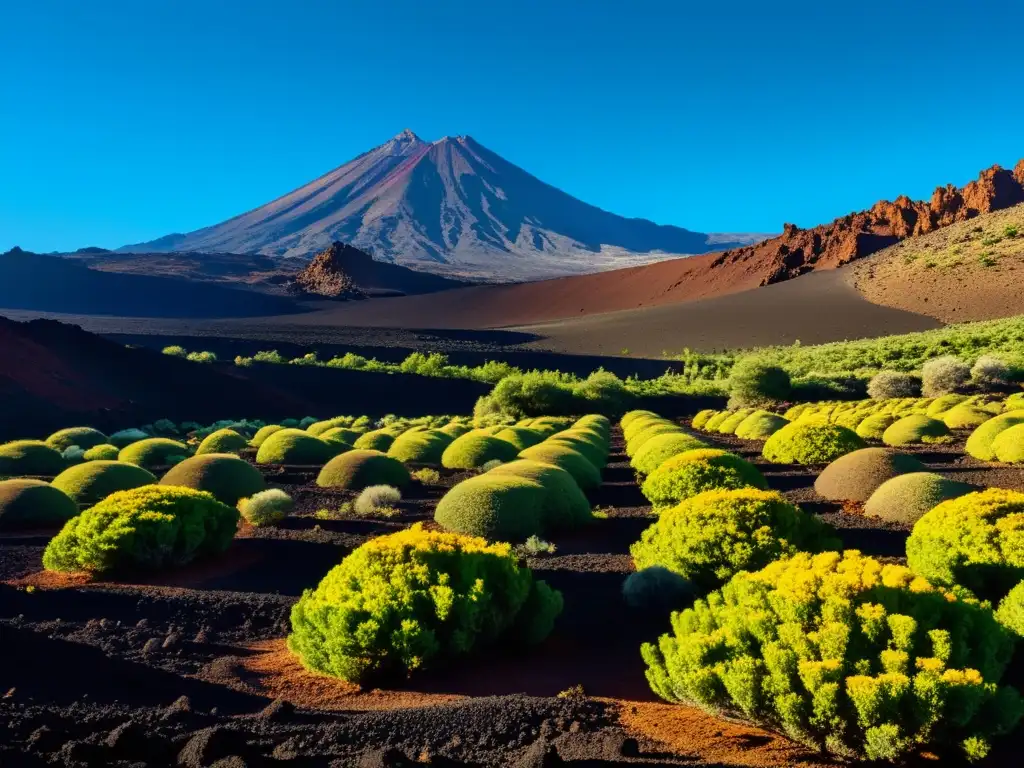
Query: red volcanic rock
326, 274
856, 235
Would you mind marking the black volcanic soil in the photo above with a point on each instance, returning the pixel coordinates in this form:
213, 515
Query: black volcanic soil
190, 667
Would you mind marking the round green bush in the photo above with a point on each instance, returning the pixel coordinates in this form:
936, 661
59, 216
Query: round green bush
89, 483
1009, 445
585, 474
974, 541
104, 452
566, 506
226, 476
657, 591
980, 443
420, 447
495, 507
692, 472
126, 437
631, 416
754, 382
857, 475
713, 535
636, 442
733, 420
520, 437
760, 425
916, 428
660, 449
83, 437
906, 498
148, 528
941, 405
377, 440
317, 428
222, 441
473, 450
263, 433
30, 457
295, 446
266, 508
418, 599
455, 429
702, 417
715, 421
845, 655
343, 435
874, 426
810, 443
965, 417
596, 454
356, 469
152, 452
26, 503
641, 424
595, 421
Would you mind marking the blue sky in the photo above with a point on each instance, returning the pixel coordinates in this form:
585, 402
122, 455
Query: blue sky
123, 121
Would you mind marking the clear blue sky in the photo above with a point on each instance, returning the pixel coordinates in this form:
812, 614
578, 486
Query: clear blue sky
123, 121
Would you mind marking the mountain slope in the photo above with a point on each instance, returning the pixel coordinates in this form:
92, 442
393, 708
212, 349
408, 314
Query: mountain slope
451, 207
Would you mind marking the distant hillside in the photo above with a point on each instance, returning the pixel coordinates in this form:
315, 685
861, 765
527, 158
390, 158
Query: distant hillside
449, 207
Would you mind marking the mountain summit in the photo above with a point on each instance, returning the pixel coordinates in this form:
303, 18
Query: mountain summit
451, 207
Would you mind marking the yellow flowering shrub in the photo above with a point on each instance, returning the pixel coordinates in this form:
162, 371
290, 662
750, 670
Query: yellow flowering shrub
844, 654
810, 442
417, 599
696, 471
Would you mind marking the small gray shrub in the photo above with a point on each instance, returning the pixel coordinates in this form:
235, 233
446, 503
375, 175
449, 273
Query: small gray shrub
944, 376
375, 497
886, 385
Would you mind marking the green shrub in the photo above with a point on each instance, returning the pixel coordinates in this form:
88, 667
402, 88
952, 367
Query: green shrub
631, 416
965, 417
887, 385
455, 429
30, 457
944, 376
660, 449
692, 472
494, 506
150, 527
715, 421
1010, 612
222, 441
700, 419
345, 436
426, 447
263, 433
980, 443
520, 437
376, 497
427, 476
906, 498
990, 372
585, 474
83, 437
317, 428
974, 541
414, 600
940, 405
760, 425
754, 382
377, 440
596, 454
356, 469
295, 446
473, 450
1009, 445
224, 475
126, 437
730, 423
201, 357
175, 351
857, 475
657, 591
104, 452
810, 443
565, 506
89, 483
651, 431
152, 452
266, 508
843, 654
26, 503
916, 428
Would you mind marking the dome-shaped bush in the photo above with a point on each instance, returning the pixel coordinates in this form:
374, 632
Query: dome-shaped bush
733, 420
420, 447
520, 437
147, 528
916, 428
635, 443
715, 421
844, 654
874, 426
658, 450
226, 476
638, 425
222, 441
585, 474
906, 498
89, 483
343, 435
30, 457
595, 453
473, 450
153, 452
804, 442
630, 416
317, 428
940, 405
857, 475
980, 443
711, 536
1009, 445
496, 507
455, 429
565, 506
263, 433
295, 446
692, 472
126, 437
760, 425
377, 440
26, 503
965, 417
975, 541
657, 591
702, 417
83, 437
103, 452
596, 422
418, 599
266, 508
356, 469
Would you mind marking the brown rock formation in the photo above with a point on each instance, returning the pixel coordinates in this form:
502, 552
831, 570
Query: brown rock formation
326, 275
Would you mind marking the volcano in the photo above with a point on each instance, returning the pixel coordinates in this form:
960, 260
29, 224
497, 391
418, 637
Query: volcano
451, 207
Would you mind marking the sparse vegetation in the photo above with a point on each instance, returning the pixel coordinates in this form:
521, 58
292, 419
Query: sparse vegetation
266, 508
